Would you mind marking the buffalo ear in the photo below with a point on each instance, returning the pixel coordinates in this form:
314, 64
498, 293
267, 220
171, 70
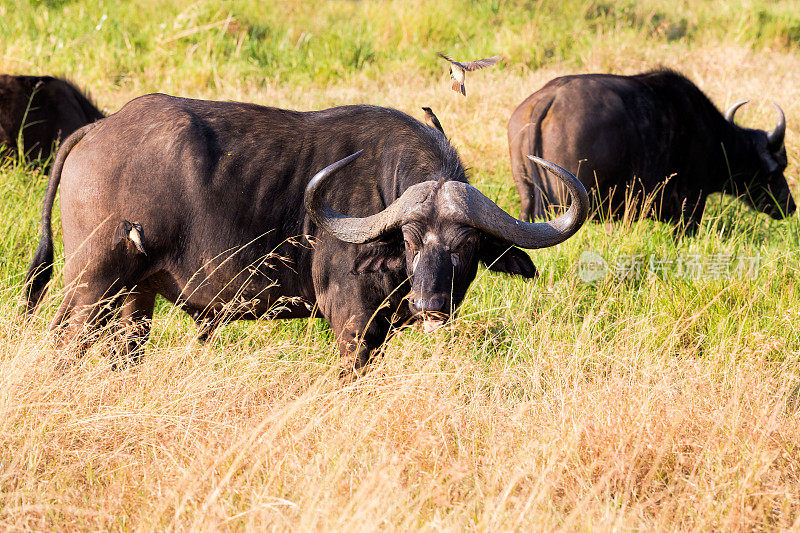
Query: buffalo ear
500, 256
379, 257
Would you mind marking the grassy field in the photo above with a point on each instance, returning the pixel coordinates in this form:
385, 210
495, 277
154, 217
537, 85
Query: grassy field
666, 400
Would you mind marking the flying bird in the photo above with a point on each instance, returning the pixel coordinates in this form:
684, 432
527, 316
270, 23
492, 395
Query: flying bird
431, 120
458, 70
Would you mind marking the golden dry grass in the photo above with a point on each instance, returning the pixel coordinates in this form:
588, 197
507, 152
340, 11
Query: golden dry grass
224, 437
547, 405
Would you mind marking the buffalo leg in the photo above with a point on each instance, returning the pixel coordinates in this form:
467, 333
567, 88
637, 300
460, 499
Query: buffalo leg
205, 328
137, 316
207, 321
526, 190
358, 339
63, 314
84, 310
526, 212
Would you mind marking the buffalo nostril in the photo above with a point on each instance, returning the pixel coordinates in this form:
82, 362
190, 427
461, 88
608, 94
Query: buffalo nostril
433, 304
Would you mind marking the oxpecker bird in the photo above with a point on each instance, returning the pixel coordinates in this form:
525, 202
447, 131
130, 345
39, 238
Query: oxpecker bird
431, 120
129, 232
458, 70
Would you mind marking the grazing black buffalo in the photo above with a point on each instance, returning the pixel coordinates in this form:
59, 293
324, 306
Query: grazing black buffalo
51, 109
213, 206
625, 135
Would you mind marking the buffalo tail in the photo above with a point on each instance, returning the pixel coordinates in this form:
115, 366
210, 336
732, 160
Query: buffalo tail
40, 269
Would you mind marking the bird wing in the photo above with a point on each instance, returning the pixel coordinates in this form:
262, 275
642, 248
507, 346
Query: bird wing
481, 63
453, 61
121, 233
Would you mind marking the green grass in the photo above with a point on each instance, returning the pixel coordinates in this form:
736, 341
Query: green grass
112, 45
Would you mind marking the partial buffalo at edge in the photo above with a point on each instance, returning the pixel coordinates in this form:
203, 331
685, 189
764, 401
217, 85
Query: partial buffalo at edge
55, 109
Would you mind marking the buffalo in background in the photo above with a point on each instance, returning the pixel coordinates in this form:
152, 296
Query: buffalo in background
653, 134
51, 109
213, 206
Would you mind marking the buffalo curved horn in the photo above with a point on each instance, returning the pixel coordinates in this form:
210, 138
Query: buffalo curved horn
353, 229
776, 136
485, 215
464, 203
729, 114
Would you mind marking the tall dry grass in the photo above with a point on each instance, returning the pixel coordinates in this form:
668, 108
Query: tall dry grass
225, 437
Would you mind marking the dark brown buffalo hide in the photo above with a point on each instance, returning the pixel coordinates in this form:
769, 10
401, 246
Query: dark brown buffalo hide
55, 108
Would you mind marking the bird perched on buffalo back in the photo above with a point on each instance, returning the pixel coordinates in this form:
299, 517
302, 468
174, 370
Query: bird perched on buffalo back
458, 70
431, 120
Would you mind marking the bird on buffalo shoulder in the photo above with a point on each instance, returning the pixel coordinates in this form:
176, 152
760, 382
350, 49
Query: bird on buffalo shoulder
431, 119
458, 70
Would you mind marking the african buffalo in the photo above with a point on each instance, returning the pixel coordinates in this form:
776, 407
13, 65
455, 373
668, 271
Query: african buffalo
213, 206
625, 135
51, 108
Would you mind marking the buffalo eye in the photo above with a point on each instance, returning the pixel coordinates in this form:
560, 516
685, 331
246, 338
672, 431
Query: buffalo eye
454, 259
